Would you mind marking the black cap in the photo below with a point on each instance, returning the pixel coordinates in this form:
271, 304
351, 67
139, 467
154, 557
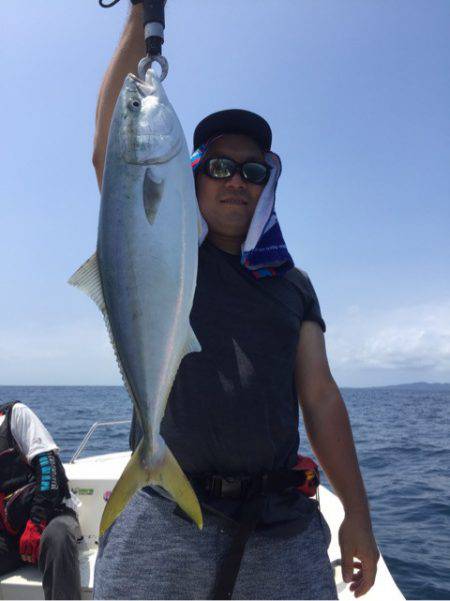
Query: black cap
234, 121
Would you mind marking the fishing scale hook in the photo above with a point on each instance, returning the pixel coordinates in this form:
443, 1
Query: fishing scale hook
154, 24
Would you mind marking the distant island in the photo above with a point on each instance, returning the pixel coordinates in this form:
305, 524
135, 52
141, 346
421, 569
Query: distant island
444, 386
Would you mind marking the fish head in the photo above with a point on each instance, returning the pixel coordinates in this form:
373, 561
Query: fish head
149, 129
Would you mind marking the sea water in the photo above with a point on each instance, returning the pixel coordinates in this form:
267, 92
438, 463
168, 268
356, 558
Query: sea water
403, 444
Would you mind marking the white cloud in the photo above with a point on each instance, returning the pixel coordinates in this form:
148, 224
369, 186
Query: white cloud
413, 340
364, 347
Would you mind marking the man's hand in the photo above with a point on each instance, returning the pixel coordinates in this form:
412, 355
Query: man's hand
30, 541
356, 540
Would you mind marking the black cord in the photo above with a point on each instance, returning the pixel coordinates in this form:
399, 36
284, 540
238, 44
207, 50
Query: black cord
112, 3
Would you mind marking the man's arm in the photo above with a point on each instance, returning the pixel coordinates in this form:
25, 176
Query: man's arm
329, 431
130, 50
40, 450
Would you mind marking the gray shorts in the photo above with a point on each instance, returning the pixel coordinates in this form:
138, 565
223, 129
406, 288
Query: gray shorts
150, 553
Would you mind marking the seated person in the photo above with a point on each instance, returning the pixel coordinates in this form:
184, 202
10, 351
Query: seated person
38, 520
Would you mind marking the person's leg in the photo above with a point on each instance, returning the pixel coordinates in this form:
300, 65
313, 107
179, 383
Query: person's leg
58, 559
151, 553
293, 567
9, 553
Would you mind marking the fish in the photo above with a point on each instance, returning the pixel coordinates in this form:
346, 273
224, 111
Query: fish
143, 276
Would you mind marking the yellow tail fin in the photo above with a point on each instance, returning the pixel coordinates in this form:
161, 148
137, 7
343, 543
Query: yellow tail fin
170, 476
166, 474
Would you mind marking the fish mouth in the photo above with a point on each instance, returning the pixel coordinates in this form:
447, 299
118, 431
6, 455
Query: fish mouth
142, 87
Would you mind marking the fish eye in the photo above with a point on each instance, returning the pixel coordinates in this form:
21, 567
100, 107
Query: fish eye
134, 105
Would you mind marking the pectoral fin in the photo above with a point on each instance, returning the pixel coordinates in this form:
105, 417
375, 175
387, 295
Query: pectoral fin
152, 193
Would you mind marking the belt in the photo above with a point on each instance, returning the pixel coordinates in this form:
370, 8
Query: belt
218, 487
223, 487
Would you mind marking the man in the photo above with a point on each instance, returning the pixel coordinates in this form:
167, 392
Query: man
38, 523
232, 416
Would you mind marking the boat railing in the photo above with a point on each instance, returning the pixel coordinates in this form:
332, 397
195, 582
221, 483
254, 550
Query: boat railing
91, 431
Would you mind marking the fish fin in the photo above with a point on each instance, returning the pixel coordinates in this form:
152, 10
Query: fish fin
87, 278
192, 344
166, 473
152, 192
132, 479
169, 475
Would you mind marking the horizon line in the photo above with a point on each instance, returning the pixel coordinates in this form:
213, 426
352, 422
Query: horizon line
123, 386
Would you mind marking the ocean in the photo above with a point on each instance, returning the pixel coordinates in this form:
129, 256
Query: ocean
403, 444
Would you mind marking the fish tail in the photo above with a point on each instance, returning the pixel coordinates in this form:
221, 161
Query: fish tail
166, 473
134, 477
169, 475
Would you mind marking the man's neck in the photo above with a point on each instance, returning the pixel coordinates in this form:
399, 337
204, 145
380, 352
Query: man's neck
225, 243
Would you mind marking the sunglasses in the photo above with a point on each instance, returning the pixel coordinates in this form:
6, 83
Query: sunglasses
224, 168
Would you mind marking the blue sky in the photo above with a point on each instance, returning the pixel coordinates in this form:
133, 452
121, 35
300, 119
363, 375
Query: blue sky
358, 96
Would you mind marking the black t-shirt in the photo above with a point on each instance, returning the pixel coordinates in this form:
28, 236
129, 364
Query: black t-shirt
233, 408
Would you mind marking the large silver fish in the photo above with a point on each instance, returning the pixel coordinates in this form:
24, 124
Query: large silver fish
143, 275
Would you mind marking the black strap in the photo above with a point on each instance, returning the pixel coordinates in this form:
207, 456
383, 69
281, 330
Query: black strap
227, 575
250, 514
105, 5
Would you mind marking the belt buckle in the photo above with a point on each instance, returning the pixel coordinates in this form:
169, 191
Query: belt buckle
231, 488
